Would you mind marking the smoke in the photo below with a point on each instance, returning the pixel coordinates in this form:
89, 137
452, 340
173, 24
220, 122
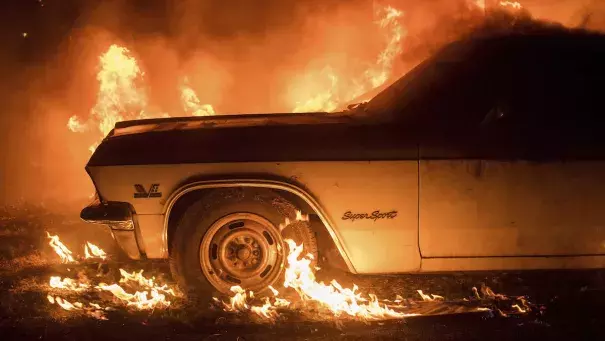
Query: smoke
239, 56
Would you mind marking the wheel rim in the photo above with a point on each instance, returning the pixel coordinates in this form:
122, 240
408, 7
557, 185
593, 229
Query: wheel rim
242, 249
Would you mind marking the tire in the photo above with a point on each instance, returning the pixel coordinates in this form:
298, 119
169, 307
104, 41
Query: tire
234, 235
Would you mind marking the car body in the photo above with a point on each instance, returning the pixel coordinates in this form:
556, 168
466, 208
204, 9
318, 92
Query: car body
490, 155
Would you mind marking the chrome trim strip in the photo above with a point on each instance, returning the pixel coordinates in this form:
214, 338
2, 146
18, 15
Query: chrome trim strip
172, 199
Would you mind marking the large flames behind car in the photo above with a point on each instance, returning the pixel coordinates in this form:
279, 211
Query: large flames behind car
123, 90
123, 94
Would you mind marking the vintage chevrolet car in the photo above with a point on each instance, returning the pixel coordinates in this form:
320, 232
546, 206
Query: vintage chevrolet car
490, 155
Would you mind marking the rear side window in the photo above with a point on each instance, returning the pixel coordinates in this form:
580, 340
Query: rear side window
553, 91
452, 95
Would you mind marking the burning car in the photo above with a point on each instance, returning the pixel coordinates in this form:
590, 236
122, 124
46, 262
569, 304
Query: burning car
486, 156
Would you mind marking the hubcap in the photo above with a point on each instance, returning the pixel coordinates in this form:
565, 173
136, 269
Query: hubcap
242, 249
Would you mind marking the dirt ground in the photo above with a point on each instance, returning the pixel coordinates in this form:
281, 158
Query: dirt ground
564, 305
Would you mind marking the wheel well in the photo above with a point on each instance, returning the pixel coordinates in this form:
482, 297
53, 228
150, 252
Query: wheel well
328, 252
178, 209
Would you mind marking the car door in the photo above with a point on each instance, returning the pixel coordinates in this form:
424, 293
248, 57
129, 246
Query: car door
528, 180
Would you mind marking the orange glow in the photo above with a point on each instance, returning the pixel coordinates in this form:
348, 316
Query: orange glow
326, 89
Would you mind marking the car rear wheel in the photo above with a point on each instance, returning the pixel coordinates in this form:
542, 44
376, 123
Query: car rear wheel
236, 238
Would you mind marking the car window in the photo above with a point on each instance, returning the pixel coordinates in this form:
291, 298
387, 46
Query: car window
451, 97
551, 92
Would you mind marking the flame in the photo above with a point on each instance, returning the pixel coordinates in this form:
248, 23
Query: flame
93, 251
323, 100
94, 310
300, 277
67, 284
153, 296
60, 249
388, 20
339, 300
267, 311
75, 125
519, 309
65, 304
511, 4
120, 97
430, 297
325, 91
299, 217
191, 103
